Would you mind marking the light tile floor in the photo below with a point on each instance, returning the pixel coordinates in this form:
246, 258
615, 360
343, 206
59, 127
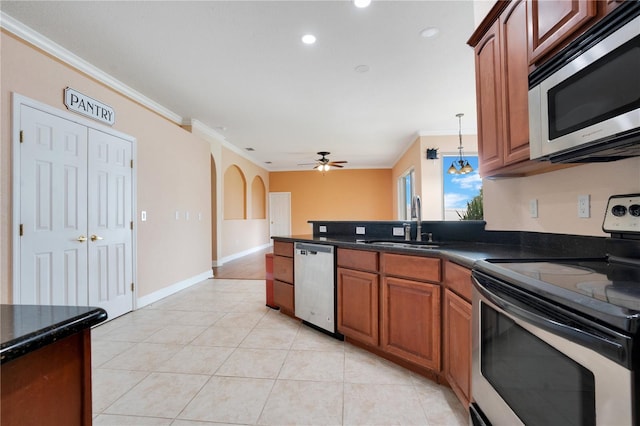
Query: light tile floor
214, 354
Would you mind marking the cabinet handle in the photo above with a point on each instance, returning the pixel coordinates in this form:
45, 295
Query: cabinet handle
95, 238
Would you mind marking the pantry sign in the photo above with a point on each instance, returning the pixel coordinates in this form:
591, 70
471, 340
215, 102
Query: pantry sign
83, 104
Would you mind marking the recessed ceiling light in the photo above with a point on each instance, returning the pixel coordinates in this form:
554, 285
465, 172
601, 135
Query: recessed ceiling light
361, 3
362, 69
308, 39
429, 32
250, 149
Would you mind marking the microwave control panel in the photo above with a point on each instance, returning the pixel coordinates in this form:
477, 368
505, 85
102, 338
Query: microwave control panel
623, 214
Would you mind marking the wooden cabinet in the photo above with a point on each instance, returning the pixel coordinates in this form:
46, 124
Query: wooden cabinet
358, 305
283, 285
502, 91
411, 321
410, 308
358, 295
553, 22
457, 345
456, 326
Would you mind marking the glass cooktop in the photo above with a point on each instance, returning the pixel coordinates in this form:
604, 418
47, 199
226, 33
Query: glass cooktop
617, 284
608, 292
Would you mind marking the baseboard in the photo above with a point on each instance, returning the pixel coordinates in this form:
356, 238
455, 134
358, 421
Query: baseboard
238, 255
171, 289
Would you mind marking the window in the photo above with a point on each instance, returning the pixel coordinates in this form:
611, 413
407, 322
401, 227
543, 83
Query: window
406, 190
458, 190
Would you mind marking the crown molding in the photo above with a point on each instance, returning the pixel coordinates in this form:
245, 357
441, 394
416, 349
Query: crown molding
33, 37
208, 131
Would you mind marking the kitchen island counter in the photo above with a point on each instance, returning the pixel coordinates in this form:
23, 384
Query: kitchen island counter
46, 364
464, 253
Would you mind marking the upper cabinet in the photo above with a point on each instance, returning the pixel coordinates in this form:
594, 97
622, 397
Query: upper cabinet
502, 90
514, 38
552, 22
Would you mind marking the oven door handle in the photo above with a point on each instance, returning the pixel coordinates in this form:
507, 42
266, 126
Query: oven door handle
576, 332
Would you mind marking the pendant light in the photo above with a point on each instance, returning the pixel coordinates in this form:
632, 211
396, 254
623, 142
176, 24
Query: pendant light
464, 166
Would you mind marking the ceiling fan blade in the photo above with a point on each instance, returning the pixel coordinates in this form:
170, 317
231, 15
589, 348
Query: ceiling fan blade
338, 162
336, 165
306, 164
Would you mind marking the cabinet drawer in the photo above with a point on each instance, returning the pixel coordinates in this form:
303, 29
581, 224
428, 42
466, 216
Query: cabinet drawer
283, 296
358, 259
458, 279
283, 269
281, 248
416, 267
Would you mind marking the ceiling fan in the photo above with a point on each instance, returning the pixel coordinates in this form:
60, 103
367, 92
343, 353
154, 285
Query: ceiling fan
323, 164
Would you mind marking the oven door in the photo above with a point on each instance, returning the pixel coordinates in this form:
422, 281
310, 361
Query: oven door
530, 369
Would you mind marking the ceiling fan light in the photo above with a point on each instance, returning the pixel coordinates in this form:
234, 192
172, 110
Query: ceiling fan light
452, 170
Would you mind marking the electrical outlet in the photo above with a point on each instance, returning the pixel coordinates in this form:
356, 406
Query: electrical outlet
398, 232
322, 228
360, 230
143, 216
584, 209
187, 216
177, 215
533, 208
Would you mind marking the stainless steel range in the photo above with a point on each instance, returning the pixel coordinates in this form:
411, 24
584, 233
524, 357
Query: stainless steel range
557, 341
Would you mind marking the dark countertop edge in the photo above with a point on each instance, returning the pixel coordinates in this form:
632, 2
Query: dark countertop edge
462, 253
30, 342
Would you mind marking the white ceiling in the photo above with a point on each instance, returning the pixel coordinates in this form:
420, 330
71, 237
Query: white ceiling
240, 68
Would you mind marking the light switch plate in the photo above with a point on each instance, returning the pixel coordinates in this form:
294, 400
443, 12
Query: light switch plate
533, 208
360, 230
143, 216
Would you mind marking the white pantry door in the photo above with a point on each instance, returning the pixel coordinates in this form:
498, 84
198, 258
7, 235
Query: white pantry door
279, 214
75, 214
53, 210
110, 216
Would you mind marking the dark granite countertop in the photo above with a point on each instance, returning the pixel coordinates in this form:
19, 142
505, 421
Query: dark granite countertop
25, 328
465, 253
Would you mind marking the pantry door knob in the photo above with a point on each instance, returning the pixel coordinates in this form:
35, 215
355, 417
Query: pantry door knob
94, 237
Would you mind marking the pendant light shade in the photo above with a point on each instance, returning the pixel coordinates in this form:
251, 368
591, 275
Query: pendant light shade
463, 165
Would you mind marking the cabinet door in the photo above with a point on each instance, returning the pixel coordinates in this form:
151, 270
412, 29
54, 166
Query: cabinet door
457, 345
358, 305
515, 84
283, 269
283, 296
411, 321
552, 22
489, 101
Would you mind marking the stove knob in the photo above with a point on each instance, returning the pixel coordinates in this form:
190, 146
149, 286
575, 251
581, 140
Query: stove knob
634, 210
619, 210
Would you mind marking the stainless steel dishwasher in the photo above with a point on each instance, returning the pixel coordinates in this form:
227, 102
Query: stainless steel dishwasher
315, 292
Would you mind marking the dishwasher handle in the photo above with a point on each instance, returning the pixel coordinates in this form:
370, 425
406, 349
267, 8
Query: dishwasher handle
306, 248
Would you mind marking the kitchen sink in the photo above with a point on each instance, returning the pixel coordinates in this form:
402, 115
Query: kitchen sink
425, 245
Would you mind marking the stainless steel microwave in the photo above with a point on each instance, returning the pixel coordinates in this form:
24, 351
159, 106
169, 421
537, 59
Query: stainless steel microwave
584, 104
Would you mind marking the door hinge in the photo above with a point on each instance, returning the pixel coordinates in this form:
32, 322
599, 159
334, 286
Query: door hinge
131, 225
21, 230
132, 164
132, 286
21, 136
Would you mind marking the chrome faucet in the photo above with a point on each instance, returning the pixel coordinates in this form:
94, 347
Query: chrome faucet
416, 213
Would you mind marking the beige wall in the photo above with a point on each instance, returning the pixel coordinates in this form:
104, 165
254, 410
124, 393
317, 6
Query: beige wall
359, 194
429, 173
506, 201
239, 236
172, 169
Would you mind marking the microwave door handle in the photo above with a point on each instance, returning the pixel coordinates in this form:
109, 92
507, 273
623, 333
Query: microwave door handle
612, 350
